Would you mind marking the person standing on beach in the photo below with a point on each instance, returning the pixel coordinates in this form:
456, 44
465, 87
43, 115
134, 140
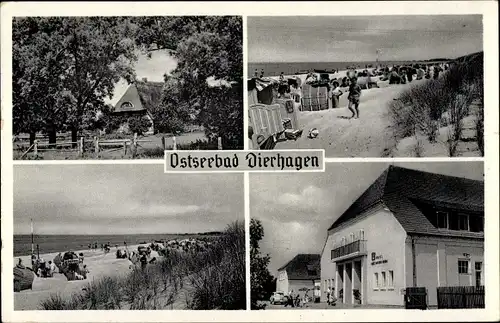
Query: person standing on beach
261, 73
282, 77
353, 97
335, 93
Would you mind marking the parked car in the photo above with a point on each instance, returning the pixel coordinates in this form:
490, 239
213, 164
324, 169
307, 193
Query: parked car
278, 298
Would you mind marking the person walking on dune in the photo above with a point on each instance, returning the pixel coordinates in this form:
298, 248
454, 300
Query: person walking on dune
353, 97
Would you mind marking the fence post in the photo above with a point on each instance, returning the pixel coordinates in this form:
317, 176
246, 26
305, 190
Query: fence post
163, 143
124, 147
81, 146
219, 143
175, 143
134, 143
96, 146
35, 148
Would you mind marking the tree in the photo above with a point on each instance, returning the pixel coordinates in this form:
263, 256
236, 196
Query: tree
173, 113
64, 67
206, 48
260, 277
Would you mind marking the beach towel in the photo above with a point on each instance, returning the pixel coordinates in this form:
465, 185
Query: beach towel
23, 278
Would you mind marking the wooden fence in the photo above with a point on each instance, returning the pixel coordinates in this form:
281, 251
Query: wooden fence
100, 146
460, 297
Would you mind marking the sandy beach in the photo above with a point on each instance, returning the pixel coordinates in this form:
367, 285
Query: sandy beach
370, 135
98, 263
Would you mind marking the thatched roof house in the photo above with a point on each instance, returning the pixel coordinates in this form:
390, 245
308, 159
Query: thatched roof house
140, 98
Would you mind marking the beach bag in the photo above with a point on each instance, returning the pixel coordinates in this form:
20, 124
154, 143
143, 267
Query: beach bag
23, 278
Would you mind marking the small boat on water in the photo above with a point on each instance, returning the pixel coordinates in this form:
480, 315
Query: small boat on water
302, 72
330, 71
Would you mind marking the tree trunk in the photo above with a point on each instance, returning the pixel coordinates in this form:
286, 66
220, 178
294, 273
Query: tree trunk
52, 137
74, 137
32, 137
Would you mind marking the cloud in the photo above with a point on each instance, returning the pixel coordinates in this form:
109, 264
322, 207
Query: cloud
311, 198
102, 195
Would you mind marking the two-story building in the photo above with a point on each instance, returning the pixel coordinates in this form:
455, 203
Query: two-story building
408, 229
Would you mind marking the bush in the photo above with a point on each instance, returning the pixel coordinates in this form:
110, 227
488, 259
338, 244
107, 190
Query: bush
139, 124
421, 109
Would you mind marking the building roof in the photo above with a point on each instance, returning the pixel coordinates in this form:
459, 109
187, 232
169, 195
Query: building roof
401, 190
143, 96
303, 266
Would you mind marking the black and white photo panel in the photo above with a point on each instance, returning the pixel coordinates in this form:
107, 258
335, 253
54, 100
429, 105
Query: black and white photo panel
88, 238
367, 86
369, 236
125, 87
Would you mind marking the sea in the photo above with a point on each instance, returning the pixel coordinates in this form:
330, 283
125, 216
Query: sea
62, 243
275, 69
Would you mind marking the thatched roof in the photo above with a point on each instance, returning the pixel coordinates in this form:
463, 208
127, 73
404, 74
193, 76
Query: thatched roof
140, 96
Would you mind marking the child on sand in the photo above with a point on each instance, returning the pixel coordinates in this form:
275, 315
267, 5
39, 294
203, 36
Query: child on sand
353, 97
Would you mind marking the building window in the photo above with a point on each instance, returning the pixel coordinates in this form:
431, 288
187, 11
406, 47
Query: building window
478, 266
476, 223
376, 282
463, 222
127, 105
384, 279
454, 222
390, 282
361, 234
463, 267
351, 237
442, 220
342, 242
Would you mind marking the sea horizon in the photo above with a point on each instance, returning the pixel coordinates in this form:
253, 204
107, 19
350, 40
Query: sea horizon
290, 68
49, 243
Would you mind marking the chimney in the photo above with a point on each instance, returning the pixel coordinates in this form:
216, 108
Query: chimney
145, 79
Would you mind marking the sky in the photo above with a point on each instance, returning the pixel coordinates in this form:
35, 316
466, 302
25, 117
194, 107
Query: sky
122, 199
151, 68
357, 38
297, 209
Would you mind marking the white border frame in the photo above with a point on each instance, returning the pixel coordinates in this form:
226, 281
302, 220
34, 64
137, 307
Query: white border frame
489, 10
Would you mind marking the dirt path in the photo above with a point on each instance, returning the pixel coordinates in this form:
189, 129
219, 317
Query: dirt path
343, 137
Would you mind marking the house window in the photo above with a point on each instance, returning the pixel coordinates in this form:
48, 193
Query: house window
361, 234
442, 219
463, 267
127, 105
390, 282
351, 237
454, 222
376, 282
384, 279
476, 223
342, 242
478, 266
463, 221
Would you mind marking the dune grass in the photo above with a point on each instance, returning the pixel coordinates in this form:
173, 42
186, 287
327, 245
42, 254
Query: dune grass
209, 279
442, 102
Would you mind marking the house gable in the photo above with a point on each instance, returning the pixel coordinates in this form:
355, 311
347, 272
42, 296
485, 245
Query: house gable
129, 102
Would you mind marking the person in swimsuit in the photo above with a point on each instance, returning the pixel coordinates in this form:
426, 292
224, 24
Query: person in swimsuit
353, 97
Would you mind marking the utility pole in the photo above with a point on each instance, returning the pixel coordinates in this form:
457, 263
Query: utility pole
32, 239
